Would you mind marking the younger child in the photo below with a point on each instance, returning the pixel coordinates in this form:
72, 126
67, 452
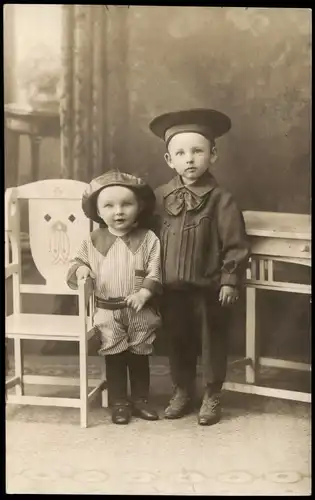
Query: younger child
204, 255
123, 259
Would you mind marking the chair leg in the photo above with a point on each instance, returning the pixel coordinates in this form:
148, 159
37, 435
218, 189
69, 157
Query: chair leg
18, 366
83, 383
105, 391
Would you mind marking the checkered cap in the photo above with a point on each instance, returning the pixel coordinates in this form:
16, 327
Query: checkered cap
115, 178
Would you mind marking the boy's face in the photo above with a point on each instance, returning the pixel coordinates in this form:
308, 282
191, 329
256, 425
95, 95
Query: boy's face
190, 154
118, 207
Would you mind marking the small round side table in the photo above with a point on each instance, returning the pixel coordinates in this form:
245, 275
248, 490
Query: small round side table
36, 124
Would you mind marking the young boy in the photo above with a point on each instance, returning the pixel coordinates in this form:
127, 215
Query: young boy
204, 255
123, 259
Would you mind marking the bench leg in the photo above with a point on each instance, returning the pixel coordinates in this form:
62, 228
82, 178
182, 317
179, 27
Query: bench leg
252, 370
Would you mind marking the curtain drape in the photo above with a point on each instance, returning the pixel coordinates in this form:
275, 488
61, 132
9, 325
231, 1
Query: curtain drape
83, 90
93, 105
82, 112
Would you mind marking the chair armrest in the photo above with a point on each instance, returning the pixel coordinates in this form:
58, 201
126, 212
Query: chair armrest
11, 269
85, 290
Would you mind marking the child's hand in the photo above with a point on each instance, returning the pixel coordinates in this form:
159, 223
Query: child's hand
228, 295
83, 272
138, 299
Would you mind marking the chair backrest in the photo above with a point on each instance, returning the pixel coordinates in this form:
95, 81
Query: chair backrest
57, 225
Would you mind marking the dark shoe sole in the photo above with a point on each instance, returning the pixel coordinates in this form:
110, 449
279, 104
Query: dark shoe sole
185, 411
139, 414
210, 421
122, 422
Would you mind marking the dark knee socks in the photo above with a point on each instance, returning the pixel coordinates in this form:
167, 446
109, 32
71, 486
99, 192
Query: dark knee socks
117, 367
139, 376
116, 375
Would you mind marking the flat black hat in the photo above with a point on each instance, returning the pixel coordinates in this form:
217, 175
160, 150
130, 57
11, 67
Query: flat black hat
208, 122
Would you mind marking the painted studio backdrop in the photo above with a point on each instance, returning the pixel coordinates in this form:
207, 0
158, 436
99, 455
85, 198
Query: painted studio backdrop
120, 66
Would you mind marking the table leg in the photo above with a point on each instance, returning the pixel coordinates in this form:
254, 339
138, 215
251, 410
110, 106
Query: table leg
12, 150
35, 147
252, 370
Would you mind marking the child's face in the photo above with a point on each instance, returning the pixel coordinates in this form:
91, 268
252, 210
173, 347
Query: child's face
118, 207
190, 155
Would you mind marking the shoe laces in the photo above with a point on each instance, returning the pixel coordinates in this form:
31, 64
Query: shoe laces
210, 402
179, 396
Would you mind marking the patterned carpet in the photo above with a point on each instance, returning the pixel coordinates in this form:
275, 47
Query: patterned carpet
261, 446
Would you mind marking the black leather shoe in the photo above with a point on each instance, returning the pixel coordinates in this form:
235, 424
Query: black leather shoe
142, 409
180, 405
210, 411
121, 413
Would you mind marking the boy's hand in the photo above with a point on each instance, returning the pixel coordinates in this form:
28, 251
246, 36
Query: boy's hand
228, 295
83, 272
138, 299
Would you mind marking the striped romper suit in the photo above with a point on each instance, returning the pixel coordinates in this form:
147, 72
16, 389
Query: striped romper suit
122, 265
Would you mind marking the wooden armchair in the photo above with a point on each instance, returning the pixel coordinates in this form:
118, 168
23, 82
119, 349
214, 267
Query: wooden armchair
57, 225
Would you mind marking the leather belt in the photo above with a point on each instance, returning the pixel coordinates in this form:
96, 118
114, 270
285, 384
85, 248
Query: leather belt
111, 303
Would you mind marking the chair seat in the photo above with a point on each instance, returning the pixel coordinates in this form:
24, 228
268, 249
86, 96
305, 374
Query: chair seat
43, 326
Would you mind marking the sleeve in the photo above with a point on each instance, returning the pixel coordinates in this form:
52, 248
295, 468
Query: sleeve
153, 278
80, 259
235, 246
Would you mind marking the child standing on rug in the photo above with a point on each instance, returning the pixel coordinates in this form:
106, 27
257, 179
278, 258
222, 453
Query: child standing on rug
204, 256
123, 259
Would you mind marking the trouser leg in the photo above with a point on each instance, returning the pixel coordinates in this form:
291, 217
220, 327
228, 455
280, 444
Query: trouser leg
183, 340
182, 350
213, 327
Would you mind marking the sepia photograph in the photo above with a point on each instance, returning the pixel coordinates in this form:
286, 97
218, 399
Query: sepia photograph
157, 219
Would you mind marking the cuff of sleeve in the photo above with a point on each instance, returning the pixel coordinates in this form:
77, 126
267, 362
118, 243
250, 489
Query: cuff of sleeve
229, 279
71, 279
154, 286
